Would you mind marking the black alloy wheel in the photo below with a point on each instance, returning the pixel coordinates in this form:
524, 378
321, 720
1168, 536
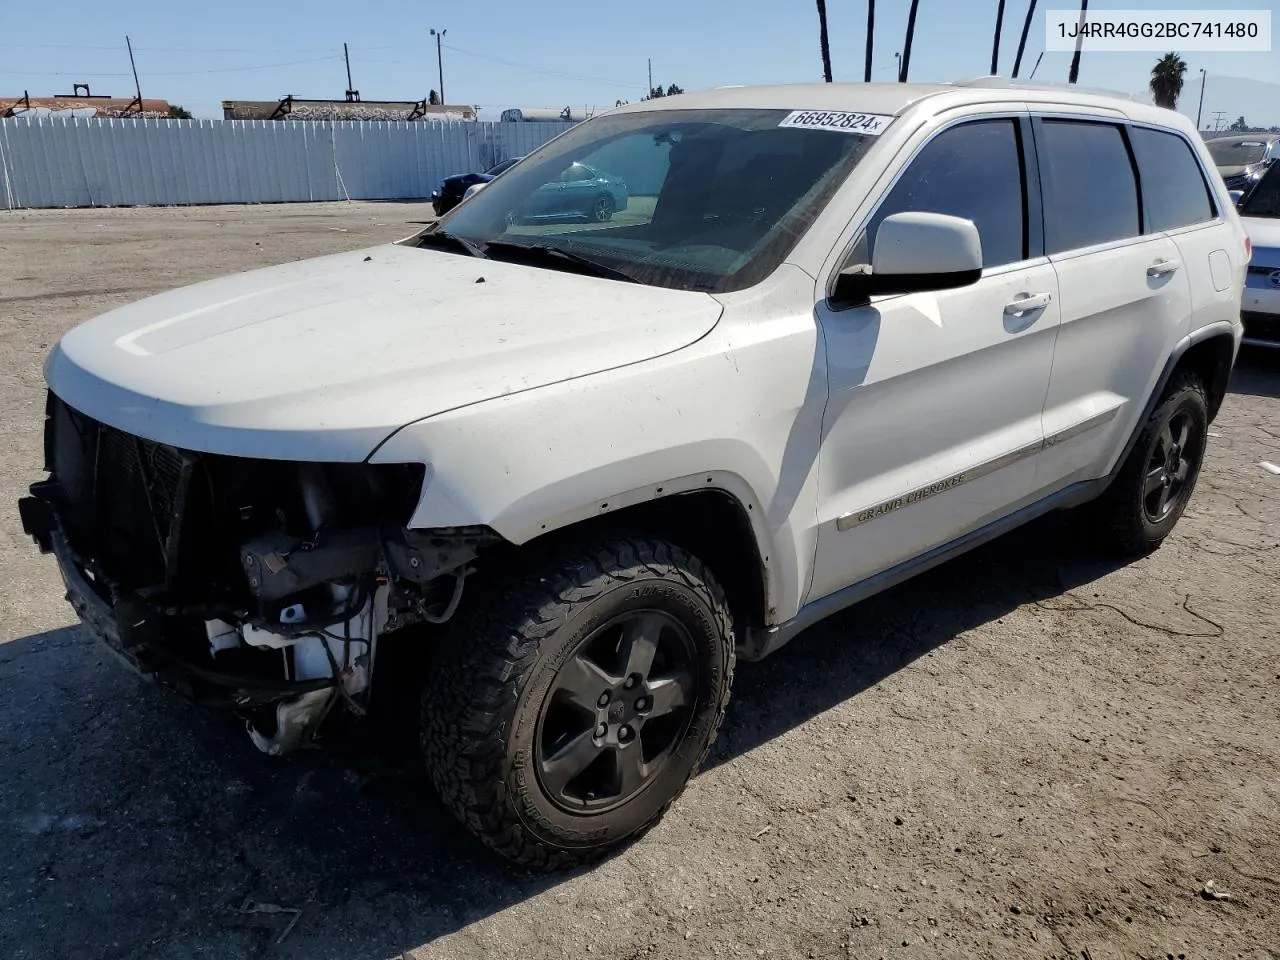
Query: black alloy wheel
1150, 492
616, 711
1168, 467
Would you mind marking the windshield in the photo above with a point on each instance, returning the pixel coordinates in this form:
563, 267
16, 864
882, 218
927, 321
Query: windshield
709, 200
1237, 153
1264, 199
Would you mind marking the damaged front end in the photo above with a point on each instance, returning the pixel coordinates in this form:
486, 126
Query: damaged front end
259, 585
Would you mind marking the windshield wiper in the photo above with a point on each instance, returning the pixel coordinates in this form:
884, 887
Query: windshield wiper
557, 255
442, 238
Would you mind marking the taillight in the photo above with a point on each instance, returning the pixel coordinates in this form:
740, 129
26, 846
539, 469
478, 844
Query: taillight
1248, 248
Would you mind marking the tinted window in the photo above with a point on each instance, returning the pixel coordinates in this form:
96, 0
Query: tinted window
972, 171
1264, 199
575, 173
1089, 192
1173, 187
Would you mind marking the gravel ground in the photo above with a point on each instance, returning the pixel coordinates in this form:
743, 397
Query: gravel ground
1026, 753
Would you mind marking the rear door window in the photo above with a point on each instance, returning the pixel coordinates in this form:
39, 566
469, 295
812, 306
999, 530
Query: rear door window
1090, 193
1174, 191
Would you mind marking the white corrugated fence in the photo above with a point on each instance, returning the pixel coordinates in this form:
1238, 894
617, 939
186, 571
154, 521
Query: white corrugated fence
78, 162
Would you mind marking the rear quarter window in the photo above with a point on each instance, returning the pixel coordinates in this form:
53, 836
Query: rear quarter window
1174, 190
1090, 194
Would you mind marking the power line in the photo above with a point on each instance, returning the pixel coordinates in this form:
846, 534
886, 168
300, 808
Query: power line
167, 73
550, 73
147, 49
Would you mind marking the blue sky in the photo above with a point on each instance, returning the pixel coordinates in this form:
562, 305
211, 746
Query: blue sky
520, 53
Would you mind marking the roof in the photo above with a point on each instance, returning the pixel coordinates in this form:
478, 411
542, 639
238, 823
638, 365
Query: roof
299, 109
886, 98
892, 99
103, 107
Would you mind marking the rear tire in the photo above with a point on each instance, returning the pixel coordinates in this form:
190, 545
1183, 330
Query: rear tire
526, 752
1152, 489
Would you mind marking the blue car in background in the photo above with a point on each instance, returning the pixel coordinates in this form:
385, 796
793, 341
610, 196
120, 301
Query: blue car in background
581, 191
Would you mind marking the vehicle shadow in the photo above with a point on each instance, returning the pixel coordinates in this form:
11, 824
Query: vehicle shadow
841, 657
134, 825
1257, 372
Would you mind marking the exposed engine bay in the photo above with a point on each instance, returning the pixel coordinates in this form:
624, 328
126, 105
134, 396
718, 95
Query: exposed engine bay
259, 585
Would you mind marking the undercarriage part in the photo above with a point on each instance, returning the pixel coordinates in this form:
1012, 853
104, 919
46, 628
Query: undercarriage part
295, 720
421, 556
452, 607
277, 565
341, 652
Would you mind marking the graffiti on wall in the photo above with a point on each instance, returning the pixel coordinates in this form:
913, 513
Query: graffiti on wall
104, 108
293, 108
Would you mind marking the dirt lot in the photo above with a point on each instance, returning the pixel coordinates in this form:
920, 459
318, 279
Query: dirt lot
1025, 754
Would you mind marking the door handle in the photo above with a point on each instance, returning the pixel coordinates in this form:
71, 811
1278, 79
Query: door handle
1032, 301
1162, 268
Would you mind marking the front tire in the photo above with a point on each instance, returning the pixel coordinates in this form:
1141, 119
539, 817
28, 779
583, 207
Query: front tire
1152, 489
571, 707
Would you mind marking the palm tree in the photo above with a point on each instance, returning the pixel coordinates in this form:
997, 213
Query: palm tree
1166, 80
906, 48
1022, 43
822, 36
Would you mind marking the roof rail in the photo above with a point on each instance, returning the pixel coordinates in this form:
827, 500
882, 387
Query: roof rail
1007, 83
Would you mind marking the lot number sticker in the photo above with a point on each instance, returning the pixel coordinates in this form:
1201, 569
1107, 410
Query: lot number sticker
867, 124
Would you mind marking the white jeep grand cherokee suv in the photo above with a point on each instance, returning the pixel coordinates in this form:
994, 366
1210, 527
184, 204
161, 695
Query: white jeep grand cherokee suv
840, 334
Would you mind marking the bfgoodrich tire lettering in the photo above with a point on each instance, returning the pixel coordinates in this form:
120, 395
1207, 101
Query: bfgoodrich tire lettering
500, 674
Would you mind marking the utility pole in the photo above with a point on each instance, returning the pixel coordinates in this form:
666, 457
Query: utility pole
439, 35
897, 56
650, 93
995, 47
871, 35
134, 67
1037, 66
1074, 75
1022, 42
352, 95
1200, 109
1218, 117
906, 47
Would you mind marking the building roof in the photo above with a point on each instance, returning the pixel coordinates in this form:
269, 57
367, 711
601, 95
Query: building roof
81, 106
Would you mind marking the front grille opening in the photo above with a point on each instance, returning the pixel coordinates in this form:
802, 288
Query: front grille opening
163, 522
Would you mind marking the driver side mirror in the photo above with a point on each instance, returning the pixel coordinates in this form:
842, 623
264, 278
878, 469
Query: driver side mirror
1236, 196
914, 253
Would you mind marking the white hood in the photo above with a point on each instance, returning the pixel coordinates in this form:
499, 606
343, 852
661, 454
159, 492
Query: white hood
323, 359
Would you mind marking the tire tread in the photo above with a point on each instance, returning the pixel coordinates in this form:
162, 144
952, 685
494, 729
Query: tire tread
486, 659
